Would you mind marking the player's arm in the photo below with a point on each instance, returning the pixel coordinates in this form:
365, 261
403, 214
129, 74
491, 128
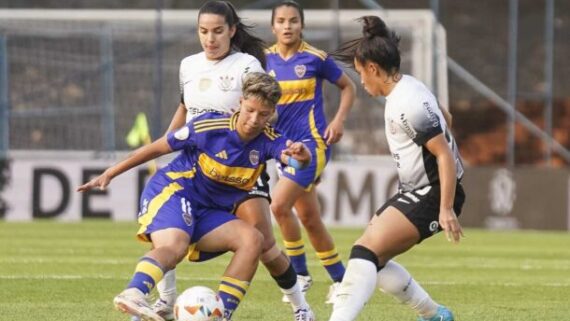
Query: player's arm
296, 155
447, 116
179, 118
140, 156
335, 129
447, 177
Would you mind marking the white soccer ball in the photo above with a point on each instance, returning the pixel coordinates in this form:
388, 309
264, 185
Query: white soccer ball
199, 303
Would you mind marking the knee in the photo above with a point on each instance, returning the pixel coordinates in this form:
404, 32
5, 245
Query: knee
252, 240
279, 209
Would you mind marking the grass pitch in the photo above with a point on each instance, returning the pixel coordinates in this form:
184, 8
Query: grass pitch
61, 272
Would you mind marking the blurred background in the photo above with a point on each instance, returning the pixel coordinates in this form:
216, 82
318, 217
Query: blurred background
75, 74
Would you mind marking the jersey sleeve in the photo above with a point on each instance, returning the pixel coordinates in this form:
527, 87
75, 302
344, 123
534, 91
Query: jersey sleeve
183, 138
253, 66
274, 147
420, 122
329, 70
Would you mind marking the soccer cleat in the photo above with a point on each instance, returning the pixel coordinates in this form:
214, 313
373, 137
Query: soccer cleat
331, 296
305, 282
165, 310
304, 314
442, 314
133, 302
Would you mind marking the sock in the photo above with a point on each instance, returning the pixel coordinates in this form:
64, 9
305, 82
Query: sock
148, 272
231, 291
357, 285
394, 279
288, 284
296, 252
167, 287
332, 263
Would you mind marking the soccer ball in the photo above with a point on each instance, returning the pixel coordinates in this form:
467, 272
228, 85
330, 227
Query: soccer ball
199, 303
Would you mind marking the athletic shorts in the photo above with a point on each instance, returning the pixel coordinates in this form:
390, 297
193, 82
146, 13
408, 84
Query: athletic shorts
308, 176
421, 207
261, 189
164, 205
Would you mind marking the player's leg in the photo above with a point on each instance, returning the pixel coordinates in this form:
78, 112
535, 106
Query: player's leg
285, 193
308, 210
386, 236
255, 211
165, 222
218, 232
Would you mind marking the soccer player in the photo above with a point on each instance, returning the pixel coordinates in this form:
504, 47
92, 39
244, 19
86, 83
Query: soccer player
429, 167
301, 70
211, 81
191, 199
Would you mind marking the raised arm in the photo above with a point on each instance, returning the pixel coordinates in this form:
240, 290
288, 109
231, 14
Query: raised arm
140, 156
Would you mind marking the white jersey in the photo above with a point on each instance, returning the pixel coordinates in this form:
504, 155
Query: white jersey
412, 118
208, 85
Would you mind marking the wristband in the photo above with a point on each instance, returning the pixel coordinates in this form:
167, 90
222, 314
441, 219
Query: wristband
294, 163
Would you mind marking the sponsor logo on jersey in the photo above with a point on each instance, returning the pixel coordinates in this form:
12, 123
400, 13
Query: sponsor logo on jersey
213, 173
182, 133
204, 84
407, 127
434, 120
300, 70
226, 83
254, 157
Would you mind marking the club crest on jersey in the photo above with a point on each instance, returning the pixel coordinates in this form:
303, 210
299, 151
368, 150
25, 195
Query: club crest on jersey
204, 84
300, 70
254, 157
226, 83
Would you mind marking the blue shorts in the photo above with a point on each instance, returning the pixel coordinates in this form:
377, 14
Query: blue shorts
307, 176
164, 204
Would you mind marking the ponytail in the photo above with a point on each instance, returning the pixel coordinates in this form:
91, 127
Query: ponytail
379, 44
243, 40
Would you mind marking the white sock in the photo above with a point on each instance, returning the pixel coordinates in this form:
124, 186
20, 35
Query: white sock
296, 297
167, 287
394, 279
355, 290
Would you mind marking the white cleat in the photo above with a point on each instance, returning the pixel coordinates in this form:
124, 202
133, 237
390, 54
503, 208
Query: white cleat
165, 310
133, 302
305, 282
304, 314
331, 296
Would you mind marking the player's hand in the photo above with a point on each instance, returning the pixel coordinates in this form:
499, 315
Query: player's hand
334, 132
298, 151
449, 223
101, 181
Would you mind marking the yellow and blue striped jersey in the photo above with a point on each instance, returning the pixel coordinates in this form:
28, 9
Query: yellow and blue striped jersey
300, 109
215, 165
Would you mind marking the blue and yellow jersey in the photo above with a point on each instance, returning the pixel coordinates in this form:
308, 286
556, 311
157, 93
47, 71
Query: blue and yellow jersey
300, 111
215, 166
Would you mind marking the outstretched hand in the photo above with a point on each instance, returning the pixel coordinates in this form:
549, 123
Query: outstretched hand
334, 132
100, 181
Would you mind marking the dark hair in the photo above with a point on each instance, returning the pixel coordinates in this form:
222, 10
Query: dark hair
242, 40
379, 44
289, 3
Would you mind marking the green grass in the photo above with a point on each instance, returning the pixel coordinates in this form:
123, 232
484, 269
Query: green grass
54, 271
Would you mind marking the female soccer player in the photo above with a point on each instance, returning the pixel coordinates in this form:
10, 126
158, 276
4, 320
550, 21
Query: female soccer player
300, 70
211, 81
191, 199
429, 168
